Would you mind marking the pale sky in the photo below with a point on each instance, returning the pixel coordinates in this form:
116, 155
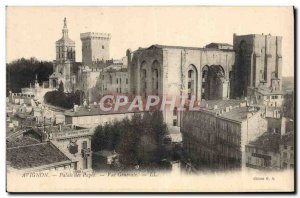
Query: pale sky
32, 31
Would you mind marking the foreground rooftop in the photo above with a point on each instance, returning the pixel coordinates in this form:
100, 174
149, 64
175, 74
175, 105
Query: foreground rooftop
33, 155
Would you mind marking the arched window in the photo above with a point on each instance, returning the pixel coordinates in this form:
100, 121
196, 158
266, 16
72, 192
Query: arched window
155, 71
143, 79
192, 81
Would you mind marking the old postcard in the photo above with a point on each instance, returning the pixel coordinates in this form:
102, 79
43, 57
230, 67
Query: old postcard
150, 99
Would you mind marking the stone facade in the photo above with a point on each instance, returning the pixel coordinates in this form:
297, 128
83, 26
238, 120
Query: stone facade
174, 71
258, 62
63, 66
216, 135
113, 81
75, 138
95, 48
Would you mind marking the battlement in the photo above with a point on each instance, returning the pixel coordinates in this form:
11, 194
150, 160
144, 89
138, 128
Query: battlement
90, 35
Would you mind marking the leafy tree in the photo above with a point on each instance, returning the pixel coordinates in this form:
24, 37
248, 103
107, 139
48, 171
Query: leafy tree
138, 141
61, 99
21, 72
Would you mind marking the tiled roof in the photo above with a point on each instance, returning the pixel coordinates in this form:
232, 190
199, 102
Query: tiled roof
96, 110
220, 104
24, 141
237, 114
34, 155
268, 141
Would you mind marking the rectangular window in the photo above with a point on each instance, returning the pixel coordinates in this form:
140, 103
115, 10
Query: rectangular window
284, 155
126, 80
117, 80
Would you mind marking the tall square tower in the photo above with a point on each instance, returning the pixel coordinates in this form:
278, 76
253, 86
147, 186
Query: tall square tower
258, 62
95, 48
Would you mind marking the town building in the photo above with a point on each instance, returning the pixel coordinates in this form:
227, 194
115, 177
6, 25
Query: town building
215, 135
35, 90
287, 149
74, 142
263, 152
90, 116
51, 147
31, 155
113, 80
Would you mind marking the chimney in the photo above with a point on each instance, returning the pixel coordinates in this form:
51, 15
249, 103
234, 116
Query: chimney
60, 127
283, 126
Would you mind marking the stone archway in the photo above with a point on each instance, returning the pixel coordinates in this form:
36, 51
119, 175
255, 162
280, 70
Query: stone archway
214, 86
192, 81
143, 79
205, 84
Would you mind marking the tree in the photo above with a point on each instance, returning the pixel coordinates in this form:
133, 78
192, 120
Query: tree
61, 99
21, 72
138, 141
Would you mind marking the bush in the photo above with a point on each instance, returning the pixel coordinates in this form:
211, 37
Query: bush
138, 141
64, 100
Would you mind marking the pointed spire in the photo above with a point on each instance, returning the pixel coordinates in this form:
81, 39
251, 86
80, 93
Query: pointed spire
65, 22
65, 28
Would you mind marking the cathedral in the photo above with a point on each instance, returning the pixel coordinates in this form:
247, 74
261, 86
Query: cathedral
63, 66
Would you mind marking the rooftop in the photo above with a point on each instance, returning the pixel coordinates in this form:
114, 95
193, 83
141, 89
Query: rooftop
217, 105
183, 47
94, 34
267, 141
96, 110
267, 91
34, 155
65, 40
62, 128
224, 44
238, 114
24, 141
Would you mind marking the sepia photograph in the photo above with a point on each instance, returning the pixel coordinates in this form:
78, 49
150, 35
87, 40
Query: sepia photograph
196, 99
